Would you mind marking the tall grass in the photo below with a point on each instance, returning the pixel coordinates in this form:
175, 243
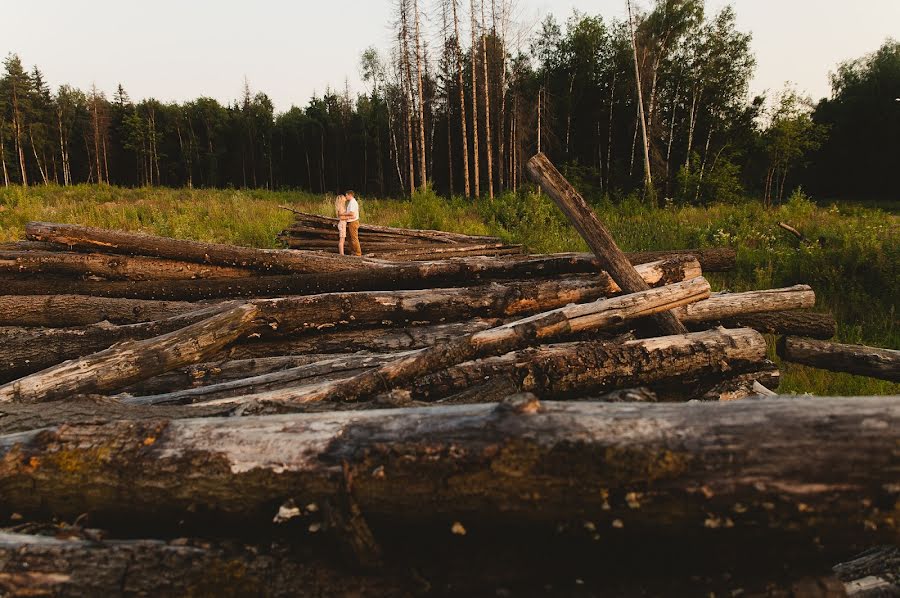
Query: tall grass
851, 261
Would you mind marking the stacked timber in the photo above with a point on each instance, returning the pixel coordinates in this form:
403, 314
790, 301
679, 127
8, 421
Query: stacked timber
319, 233
186, 418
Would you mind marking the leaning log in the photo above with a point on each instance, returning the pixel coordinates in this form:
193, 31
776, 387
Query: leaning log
852, 359
85, 238
541, 171
111, 267
566, 321
825, 466
132, 361
63, 311
48, 566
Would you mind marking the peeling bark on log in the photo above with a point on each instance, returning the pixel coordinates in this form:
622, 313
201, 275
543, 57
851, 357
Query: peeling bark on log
723, 306
713, 259
24, 351
573, 369
112, 267
793, 323
44, 566
542, 172
90, 239
62, 311
399, 276
853, 359
516, 335
374, 340
132, 361
827, 467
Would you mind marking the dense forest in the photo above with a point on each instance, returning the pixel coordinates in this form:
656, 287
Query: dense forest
658, 102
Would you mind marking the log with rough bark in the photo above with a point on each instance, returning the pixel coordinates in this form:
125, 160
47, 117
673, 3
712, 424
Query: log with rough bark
542, 172
723, 306
62, 311
852, 359
795, 323
566, 321
827, 467
112, 267
48, 566
132, 361
28, 351
85, 238
873, 574
396, 276
569, 370
374, 340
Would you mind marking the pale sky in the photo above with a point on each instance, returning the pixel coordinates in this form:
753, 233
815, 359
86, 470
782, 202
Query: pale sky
182, 49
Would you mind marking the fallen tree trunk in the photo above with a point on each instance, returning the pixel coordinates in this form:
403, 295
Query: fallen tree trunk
132, 361
723, 306
46, 566
793, 323
62, 311
568, 370
569, 320
852, 359
817, 466
873, 574
100, 240
542, 172
112, 267
409, 275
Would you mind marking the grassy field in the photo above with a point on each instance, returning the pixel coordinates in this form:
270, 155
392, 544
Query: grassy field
853, 262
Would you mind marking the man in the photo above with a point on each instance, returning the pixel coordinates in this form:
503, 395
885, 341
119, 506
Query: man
351, 217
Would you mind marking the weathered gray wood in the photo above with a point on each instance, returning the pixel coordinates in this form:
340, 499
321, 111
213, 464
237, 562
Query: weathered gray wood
571, 369
542, 172
826, 466
853, 359
794, 323
91, 239
569, 320
62, 311
132, 361
723, 306
112, 267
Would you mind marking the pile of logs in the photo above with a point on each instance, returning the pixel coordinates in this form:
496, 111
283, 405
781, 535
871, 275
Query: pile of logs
319, 233
463, 425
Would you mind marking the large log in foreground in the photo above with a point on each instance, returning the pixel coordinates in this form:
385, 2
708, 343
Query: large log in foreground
825, 466
541, 171
853, 359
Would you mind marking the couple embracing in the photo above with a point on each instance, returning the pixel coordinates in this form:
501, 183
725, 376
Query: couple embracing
347, 209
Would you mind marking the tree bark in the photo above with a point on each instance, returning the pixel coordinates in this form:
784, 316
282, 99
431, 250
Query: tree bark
852, 359
132, 361
818, 466
648, 177
462, 98
62, 311
112, 267
489, 142
601, 242
423, 175
794, 323
473, 59
723, 306
566, 321
118, 242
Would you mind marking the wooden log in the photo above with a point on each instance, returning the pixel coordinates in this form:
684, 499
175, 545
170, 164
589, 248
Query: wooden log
91, 239
399, 276
873, 574
821, 466
374, 340
47, 566
712, 259
62, 311
112, 267
723, 306
571, 369
852, 359
514, 336
795, 323
132, 361
27, 351
542, 172
24, 351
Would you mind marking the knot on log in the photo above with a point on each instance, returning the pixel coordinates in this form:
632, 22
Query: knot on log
519, 404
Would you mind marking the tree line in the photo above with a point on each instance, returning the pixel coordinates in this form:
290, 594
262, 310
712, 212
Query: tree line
657, 102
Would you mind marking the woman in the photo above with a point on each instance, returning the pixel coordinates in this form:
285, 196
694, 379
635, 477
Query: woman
340, 207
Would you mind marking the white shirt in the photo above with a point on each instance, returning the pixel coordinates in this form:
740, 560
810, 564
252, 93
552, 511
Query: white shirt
352, 209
